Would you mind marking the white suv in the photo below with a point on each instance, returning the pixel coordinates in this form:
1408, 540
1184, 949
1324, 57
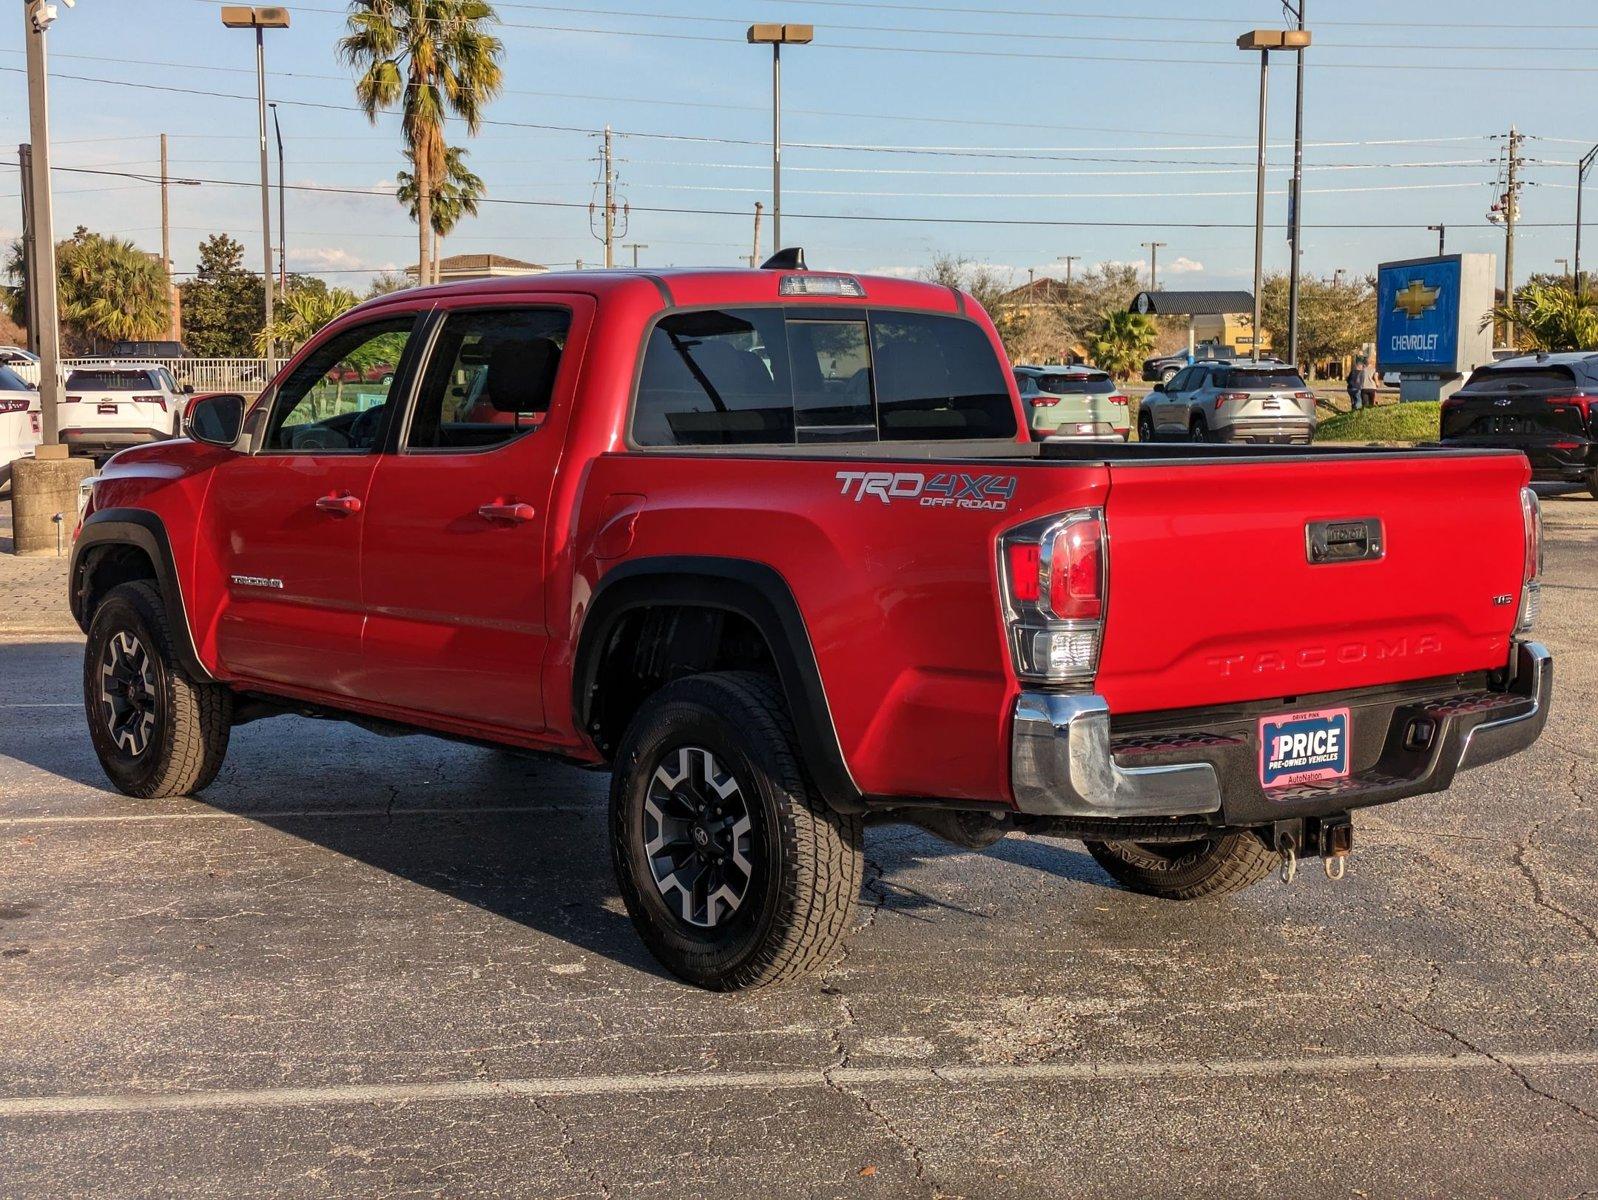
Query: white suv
19, 421
117, 404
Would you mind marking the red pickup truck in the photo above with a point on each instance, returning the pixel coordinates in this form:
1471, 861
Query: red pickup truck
775, 548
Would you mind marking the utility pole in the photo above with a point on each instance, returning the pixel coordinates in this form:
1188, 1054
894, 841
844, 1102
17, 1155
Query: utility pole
174, 326
635, 247
1154, 257
30, 276
1442, 232
1510, 205
1582, 168
610, 203
282, 209
1068, 259
754, 257
1296, 197
36, 18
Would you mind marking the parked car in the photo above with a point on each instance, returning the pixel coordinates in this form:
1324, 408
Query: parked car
1162, 368
19, 421
1241, 401
774, 546
1544, 405
120, 404
23, 363
1073, 402
150, 349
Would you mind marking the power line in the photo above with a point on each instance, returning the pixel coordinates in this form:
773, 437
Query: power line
868, 218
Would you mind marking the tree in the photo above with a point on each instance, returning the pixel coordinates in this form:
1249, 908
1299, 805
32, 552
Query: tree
1550, 316
454, 197
385, 284
432, 58
986, 286
300, 313
223, 303
1123, 341
108, 290
1335, 317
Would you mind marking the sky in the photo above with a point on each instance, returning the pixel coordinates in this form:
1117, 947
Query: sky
1009, 133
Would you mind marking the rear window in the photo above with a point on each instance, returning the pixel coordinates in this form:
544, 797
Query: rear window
113, 381
776, 376
1077, 385
1519, 379
1261, 379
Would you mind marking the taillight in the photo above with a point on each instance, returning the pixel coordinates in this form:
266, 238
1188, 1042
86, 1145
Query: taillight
1531, 512
1044, 401
11, 406
1303, 395
33, 420
1055, 576
1117, 398
161, 400
71, 399
1223, 397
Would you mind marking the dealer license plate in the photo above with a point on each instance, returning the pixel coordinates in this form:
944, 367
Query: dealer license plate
1304, 747
107, 410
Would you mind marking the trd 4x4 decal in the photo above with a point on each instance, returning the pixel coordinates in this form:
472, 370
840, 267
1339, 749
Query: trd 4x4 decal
947, 489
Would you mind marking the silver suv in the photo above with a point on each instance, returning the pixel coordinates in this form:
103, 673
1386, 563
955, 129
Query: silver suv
1230, 402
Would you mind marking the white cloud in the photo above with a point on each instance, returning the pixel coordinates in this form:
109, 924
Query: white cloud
1182, 266
329, 258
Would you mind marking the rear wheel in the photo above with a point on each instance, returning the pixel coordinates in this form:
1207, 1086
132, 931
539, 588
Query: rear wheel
1592, 483
1199, 431
156, 731
1145, 427
735, 872
1168, 374
1192, 870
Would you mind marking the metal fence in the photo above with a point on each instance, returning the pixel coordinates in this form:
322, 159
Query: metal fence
206, 374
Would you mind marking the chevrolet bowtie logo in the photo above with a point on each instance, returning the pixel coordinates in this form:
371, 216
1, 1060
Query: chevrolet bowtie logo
1415, 299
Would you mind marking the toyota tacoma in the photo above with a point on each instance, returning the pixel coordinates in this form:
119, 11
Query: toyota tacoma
774, 547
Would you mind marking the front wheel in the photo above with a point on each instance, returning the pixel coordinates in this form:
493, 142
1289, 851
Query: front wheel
1199, 431
156, 732
735, 873
1592, 483
1168, 374
1191, 870
1145, 427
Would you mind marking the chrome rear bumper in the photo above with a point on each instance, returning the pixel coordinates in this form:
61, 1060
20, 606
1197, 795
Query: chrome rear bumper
1063, 763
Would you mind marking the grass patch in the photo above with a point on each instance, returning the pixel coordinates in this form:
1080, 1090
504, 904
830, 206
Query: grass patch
1413, 422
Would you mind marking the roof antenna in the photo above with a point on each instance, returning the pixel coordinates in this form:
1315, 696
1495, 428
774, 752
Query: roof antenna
791, 259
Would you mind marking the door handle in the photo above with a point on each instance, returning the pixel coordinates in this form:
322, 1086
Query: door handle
342, 505
506, 511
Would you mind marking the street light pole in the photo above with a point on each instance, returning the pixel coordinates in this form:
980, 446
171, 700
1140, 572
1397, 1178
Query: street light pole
260, 20
36, 19
1295, 217
1265, 40
1259, 204
778, 36
1442, 233
1582, 168
1154, 263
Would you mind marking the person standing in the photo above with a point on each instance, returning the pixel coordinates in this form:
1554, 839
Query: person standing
1353, 383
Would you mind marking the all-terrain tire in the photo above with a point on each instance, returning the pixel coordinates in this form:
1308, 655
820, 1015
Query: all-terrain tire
171, 738
805, 861
1215, 866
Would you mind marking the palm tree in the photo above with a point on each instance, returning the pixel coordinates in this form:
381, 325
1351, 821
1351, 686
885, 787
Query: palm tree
300, 313
431, 58
454, 196
107, 289
1550, 317
1121, 344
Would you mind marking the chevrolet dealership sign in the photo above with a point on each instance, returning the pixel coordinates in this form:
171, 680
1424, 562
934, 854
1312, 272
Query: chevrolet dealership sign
1429, 312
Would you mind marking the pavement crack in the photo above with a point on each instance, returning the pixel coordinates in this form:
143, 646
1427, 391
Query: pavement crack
1519, 1075
912, 1149
564, 1147
1540, 894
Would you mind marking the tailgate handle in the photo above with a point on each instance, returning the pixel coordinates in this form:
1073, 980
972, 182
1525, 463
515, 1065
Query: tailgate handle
1352, 539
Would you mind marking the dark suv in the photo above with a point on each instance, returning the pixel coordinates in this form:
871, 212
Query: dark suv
1544, 405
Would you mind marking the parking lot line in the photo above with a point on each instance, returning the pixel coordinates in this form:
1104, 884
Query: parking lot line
635, 1085
298, 814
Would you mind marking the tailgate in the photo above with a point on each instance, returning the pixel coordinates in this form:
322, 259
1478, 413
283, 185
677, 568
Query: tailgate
1213, 597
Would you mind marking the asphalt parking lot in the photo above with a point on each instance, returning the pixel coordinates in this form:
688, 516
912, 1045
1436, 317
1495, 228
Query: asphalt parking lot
368, 966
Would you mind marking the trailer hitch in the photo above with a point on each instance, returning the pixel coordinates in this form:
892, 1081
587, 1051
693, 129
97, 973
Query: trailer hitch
1330, 837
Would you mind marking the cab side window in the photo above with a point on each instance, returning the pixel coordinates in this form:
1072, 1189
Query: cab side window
337, 399
490, 378
1180, 380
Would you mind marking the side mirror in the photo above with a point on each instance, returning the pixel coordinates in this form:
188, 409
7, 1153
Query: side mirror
188, 389
1159, 387
217, 420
